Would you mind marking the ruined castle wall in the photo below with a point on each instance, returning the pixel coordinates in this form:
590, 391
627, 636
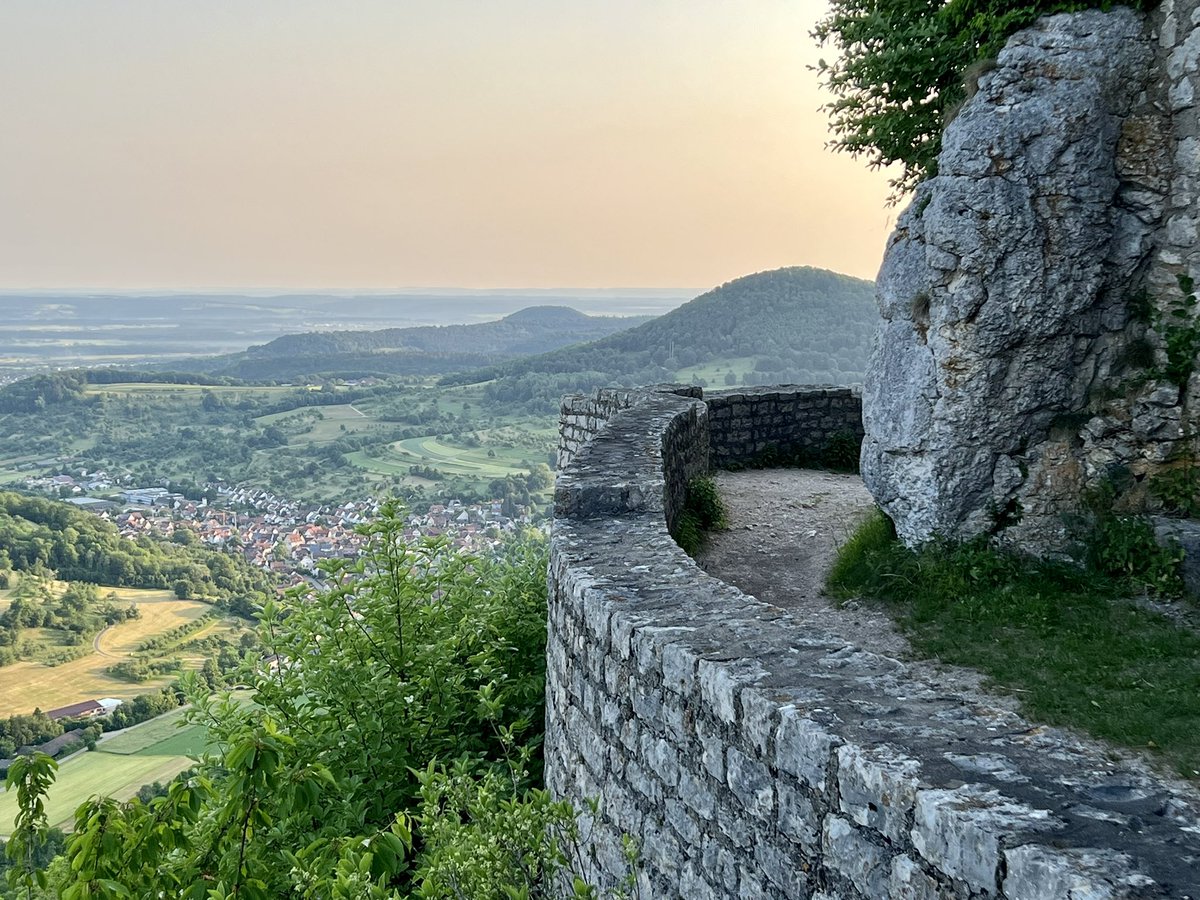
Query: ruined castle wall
749, 756
583, 417
785, 422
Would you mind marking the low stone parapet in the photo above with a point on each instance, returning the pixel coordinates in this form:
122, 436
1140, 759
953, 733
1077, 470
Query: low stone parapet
750, 757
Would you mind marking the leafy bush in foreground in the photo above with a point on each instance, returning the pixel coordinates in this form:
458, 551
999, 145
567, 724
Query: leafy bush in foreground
392, 750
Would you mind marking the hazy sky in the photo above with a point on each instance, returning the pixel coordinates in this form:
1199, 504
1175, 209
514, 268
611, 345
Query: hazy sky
389, 143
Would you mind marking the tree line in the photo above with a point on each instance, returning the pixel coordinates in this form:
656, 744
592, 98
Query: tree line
46, 535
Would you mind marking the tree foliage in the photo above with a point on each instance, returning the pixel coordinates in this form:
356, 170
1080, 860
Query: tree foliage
391, 749
38, 534
901, 71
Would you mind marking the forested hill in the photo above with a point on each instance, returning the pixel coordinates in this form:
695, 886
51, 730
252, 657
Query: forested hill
424, 350
797, 324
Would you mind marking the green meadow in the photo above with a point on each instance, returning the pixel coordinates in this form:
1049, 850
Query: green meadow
157, 750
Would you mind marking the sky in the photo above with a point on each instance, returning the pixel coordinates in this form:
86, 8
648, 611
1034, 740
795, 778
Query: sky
287, 144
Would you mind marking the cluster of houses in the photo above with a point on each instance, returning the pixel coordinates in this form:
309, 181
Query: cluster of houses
280, 535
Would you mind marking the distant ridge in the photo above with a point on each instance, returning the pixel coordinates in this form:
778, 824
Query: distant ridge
421, 350
796, 324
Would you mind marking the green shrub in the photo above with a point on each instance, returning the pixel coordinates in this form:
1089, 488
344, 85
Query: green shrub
902, 68
1178, 489
703, 511
1180, 332
705, 501
1123, 547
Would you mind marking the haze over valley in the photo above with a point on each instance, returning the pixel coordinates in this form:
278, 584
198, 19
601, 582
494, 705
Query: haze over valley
41, 329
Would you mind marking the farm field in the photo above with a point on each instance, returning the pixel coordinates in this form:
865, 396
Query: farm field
157, 750
89, 774
25, 685
325, 424
231, 392
162, 736
449, 459
714, 372
10, 468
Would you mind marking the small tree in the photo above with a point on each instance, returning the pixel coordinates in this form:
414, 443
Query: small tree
900, 68
30, 776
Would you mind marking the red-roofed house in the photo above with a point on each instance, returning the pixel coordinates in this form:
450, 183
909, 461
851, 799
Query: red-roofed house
82, 710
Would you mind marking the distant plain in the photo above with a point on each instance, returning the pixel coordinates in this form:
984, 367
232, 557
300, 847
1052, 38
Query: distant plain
45, 330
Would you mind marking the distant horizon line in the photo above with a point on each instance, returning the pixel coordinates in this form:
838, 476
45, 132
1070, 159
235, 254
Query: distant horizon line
277, 291
330, 291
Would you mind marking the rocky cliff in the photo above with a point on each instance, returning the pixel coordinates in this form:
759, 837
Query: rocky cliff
1029, 347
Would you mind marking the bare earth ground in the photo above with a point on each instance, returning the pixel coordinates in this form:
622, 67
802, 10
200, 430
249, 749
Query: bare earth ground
785, 526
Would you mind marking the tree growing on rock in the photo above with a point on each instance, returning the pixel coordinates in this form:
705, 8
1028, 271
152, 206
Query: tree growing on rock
903, 67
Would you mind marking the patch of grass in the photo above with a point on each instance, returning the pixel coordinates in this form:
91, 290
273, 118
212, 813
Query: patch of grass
91, 774
1077, 651
857, 554
703, 511
139, 738
714, 371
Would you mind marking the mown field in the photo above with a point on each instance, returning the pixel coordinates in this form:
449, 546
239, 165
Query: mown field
157, 750
122, 762
93, 774
438, 453
27, 685
714, 373
166, 735
323, 423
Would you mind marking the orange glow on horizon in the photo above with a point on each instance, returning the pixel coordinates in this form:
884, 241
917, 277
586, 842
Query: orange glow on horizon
301, 144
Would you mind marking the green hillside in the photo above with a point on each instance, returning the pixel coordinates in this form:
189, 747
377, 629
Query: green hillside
788, 325
48, 536
424, 350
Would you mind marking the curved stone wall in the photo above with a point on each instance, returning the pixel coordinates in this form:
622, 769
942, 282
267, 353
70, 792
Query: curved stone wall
749, 758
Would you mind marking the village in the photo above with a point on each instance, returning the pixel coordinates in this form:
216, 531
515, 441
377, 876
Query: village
278, 535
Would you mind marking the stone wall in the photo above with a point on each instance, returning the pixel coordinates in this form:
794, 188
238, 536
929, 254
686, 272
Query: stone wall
785, 422
1025, 292
583, 417
750, 758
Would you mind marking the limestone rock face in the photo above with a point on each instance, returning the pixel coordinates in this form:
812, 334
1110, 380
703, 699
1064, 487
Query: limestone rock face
1066, 182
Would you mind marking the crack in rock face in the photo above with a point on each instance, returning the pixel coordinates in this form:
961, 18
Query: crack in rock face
1004, 291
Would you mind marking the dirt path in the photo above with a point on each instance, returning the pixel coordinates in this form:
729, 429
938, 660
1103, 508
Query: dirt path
96, 643
785, 528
